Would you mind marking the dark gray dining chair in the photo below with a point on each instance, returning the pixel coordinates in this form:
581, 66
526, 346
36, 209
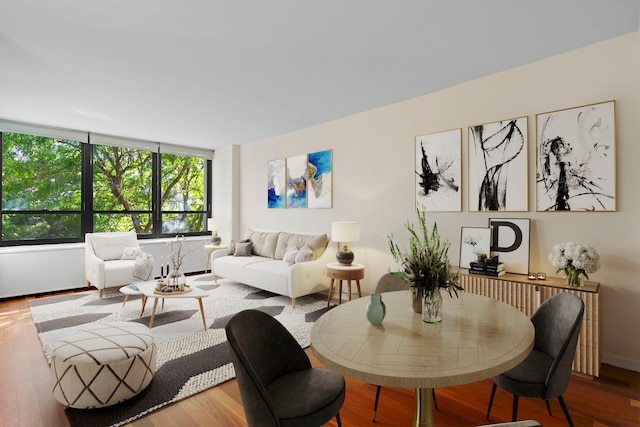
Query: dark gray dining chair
545, 372
278, 385
390, 283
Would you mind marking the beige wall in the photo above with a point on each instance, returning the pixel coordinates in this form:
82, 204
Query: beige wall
373, 173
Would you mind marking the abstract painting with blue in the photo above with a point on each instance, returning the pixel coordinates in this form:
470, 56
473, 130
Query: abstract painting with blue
297, 182
498, 166
319, 179
437, 171
276, 173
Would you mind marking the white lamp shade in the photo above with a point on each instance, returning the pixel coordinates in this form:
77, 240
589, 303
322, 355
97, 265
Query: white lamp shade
215, 224
345, 231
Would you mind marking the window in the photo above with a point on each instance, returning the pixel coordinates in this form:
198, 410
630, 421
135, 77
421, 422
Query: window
122, 189
56, 186
183, 194
41, 187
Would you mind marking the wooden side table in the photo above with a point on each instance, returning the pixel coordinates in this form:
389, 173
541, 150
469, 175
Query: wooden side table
340, 272
208, 250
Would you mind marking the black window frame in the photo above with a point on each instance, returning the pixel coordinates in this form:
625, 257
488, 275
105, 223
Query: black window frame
87, 212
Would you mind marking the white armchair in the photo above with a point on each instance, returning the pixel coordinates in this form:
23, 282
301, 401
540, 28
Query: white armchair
115, 259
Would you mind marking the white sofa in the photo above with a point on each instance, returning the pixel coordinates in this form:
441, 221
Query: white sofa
114, 259
266, 268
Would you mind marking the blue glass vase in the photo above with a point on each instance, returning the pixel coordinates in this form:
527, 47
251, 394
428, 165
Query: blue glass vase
375, 310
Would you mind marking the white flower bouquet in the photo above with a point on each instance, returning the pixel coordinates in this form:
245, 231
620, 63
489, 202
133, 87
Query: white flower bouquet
575, 260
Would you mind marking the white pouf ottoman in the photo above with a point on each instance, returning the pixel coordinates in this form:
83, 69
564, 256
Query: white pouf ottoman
102, 364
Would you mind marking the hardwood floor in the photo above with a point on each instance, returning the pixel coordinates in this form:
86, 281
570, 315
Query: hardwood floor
26, 400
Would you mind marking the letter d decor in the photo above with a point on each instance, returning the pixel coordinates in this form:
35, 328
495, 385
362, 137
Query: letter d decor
510, 241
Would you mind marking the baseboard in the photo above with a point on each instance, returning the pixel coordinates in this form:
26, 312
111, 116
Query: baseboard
621, 362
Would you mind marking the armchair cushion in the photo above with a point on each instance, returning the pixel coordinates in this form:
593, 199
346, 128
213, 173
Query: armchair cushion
109, 246
130, 252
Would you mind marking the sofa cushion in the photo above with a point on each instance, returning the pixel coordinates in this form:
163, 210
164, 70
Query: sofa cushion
317, 243
290, 257
264, 242
305, 254
243, 249
241, 262
109, 246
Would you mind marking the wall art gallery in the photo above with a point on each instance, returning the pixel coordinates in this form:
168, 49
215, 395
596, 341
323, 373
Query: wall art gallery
303, 181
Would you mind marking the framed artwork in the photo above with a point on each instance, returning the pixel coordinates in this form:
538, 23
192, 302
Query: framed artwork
297, 181
498, 166
575, 153
510, 241
473, 241
319, 185
276, 173
437, 171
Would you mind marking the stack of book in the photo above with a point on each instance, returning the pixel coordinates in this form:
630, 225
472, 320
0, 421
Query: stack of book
487, 269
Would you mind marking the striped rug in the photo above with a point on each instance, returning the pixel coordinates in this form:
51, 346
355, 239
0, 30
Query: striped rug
189, 359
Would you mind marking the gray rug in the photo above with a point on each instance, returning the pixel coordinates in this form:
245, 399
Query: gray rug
189, 359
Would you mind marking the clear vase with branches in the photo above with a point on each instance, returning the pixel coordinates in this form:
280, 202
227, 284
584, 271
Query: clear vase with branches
425, 267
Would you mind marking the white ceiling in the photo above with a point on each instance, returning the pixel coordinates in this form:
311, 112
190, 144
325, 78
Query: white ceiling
208, 73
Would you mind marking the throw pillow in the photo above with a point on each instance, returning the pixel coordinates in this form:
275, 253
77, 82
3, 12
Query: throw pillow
243, 249
143, 268
305, 254
232, 245
130, 252
290, 256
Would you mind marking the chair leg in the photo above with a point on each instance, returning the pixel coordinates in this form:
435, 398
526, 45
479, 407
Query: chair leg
435, 402
338, 419
375, 404
100, 293
548, 407
514, 411
565, 410
493, 393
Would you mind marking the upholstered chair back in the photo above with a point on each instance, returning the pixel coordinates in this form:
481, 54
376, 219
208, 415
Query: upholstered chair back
557, 323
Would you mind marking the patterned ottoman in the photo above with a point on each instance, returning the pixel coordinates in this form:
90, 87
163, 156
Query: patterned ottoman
102, 364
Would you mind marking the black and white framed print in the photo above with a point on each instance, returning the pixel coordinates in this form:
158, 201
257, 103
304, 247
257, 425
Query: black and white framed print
510, 241
575, 157
474, 241
498, 166
437, 173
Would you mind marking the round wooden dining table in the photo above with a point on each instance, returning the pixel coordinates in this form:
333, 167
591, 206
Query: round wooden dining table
478, 338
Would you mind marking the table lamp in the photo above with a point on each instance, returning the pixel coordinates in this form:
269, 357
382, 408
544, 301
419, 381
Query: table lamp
215, 224
345, 231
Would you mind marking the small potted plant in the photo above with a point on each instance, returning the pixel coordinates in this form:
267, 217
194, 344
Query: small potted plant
425, 267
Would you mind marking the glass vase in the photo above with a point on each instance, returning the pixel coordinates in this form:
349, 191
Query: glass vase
573, 279
432, 306
176, 279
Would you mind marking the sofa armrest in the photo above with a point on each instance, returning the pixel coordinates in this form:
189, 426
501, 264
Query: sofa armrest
306, 276
218, 253
94, 269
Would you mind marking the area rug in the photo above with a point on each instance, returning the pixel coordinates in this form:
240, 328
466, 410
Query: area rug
189, 359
